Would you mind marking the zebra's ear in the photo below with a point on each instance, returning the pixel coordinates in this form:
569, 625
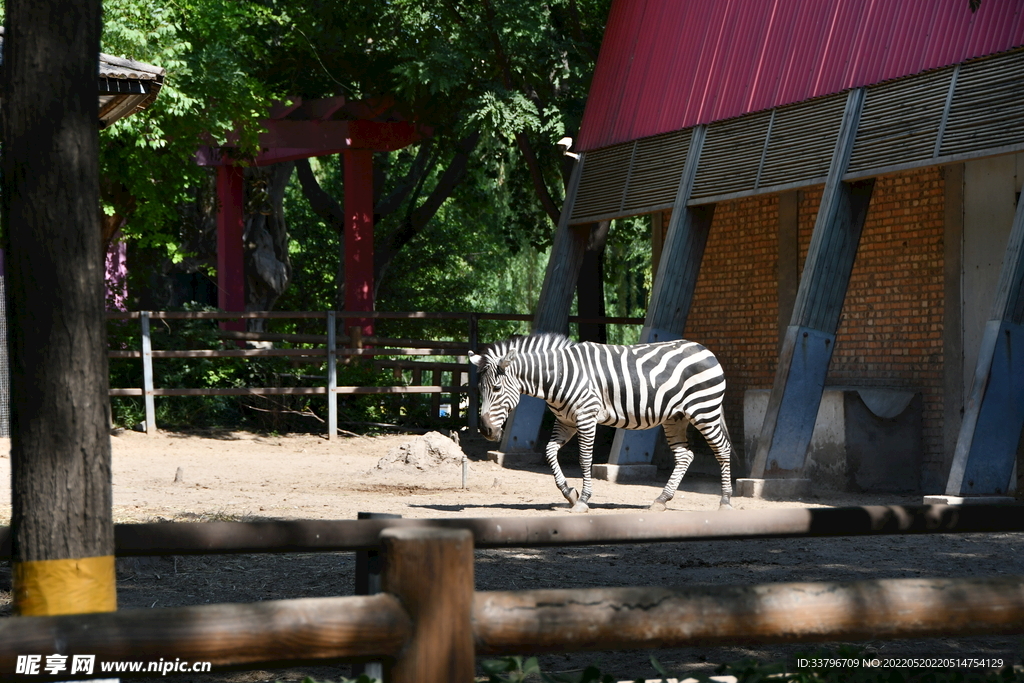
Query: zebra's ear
507, 359
476, 359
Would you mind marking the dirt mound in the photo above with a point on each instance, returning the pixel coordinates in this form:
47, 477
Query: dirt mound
429, 452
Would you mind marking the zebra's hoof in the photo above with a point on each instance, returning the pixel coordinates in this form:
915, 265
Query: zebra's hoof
580, 507
573, 497
657, 506
725, 505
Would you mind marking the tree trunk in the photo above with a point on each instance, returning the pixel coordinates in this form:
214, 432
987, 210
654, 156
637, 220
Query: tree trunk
268, 268
590, 285
63, 539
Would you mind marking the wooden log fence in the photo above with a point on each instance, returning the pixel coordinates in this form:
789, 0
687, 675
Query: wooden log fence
328, 351
187, 538
429, 625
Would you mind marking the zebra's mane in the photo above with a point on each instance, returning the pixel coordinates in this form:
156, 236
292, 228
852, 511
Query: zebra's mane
535, 343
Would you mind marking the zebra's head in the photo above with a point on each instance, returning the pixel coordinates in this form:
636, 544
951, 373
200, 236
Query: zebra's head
499, 394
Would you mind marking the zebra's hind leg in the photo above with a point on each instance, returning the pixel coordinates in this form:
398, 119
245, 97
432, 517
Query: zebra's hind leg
717, 435
675, 433
561, 433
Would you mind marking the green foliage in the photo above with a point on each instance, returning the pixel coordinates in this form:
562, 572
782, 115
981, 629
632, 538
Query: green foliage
207, 48
516, 670
627, 275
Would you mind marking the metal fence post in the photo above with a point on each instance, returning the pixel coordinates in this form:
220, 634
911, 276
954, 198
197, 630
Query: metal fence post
474, 396
369, 565
332, 377
147, 374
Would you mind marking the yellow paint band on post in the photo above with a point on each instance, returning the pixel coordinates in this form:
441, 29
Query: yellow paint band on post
50, 587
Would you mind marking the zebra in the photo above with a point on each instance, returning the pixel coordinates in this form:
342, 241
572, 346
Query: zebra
585, 384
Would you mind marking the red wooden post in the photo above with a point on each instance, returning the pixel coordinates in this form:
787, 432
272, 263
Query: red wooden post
359, 234
230, 263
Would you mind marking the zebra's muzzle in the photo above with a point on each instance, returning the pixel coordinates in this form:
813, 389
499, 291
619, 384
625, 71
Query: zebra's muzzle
490, 434
489, 430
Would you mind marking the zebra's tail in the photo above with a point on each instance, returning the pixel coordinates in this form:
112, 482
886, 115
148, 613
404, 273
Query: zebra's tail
725, 429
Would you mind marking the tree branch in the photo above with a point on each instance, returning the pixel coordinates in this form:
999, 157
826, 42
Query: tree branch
417, 219
537, 176
390, 204
323, 204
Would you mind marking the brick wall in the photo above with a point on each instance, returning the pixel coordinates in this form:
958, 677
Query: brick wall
890, 333
891, 330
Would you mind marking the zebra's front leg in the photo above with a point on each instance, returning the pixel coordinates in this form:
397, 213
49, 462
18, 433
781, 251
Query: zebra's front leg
587, 427
675, 433
561, 433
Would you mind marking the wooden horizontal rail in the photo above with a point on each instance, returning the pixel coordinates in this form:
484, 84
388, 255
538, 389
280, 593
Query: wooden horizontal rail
220, 315
253, 353
421, 365
185, 538
425, 389
386, 315
225, 635
238, 353
503, 623
273, 337
243, 391
321, 339
457, 351
508, 623
292, 391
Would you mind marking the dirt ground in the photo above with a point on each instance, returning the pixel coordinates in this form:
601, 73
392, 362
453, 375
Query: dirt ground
243, 476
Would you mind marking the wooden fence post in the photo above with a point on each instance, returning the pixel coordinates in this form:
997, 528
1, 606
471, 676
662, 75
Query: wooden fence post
430, 571
147, 374
332, 377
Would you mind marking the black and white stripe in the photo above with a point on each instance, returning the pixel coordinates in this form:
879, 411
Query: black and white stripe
671, 384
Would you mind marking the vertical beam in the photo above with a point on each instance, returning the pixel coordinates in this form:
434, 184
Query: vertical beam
230, 258
809, 340
994, 415
473, 417
332, 375
657, 240
552, 314
671, 296
359, 234
147, 374
952, 324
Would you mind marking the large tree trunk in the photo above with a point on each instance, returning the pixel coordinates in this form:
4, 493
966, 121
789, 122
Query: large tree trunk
268, 268
60, 411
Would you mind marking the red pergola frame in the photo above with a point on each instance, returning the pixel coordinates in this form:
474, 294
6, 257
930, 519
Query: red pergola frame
299, 130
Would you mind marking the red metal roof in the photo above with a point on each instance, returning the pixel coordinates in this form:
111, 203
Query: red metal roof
671, 64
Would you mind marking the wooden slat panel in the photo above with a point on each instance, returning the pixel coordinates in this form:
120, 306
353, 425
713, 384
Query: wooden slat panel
603, 183
987, 110
731, 156
802, 141
900, 121
657, 167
